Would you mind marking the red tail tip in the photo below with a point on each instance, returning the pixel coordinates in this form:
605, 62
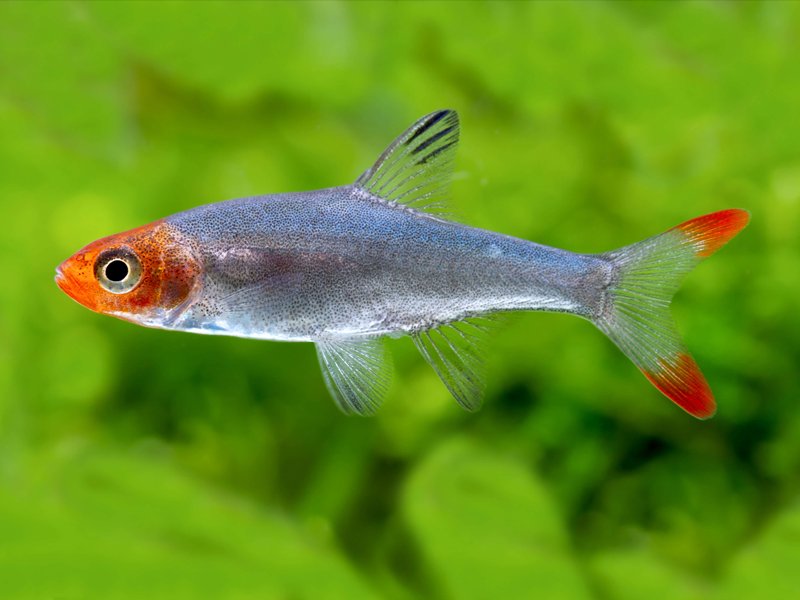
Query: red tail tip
682, 382
710, 232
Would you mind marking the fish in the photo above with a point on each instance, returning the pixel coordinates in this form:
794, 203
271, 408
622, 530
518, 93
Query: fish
347, 267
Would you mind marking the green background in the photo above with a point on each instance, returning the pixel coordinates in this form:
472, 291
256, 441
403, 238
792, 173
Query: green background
138, 463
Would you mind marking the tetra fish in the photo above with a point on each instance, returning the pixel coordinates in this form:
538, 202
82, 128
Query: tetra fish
347, 266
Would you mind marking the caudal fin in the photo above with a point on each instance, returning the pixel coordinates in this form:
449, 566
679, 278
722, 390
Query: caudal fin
637, 317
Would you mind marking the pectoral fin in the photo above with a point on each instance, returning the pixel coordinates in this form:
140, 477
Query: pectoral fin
357, 372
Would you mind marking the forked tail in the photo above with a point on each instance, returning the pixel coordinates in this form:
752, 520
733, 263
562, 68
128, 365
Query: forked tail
637, 317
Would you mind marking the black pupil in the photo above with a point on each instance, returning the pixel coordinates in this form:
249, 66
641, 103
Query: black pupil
116, 270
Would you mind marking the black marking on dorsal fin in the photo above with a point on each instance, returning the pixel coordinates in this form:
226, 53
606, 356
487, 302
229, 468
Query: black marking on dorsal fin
428, 121
433, 153
416, 167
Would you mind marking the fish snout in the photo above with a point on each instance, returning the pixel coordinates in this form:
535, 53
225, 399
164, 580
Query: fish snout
71, 279
62, 281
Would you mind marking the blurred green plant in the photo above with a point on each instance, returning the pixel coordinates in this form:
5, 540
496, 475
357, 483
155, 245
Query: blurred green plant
141, 463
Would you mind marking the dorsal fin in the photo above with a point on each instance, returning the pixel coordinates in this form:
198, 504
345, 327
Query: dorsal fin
415, 169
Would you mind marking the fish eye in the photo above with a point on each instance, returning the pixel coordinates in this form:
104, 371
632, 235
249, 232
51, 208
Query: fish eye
118, 271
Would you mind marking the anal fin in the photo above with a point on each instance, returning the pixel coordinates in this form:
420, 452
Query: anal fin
454, 352
357, 372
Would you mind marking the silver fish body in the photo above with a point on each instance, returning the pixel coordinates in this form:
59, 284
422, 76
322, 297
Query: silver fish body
342, 263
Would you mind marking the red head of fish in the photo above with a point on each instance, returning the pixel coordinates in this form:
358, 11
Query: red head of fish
138, 275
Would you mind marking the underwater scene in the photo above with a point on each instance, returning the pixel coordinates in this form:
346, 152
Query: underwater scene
142, 463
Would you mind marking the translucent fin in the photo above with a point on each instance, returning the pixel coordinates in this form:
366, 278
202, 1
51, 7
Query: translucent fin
637, 317
416, 168
454, 352
357, 373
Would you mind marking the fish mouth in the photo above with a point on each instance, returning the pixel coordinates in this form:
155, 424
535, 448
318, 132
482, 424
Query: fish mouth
61, 279
68, 285
71, 280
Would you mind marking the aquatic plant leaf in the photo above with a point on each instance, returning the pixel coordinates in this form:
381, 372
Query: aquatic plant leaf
655, 578
131, 527
196, 49
58, 69
487, 528
767, 564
